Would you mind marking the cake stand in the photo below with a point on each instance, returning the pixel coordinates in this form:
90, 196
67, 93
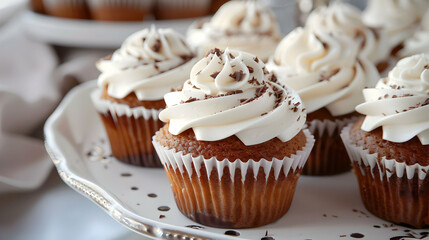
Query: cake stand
90, 33
141, 200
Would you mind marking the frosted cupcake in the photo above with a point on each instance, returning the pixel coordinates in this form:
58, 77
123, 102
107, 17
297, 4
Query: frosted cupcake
344, 18
399, 18
240, 25
132, 84
233, 147
389, 147
329, 75
419, 42
120, 10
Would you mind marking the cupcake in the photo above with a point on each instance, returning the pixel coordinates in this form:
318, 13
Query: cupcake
344, 18
389, 147
399, 18
216, 4
329, 75
419, 42
120, 10
233, 146
37, 6
240, 25
132, 84
177, 9
67, 8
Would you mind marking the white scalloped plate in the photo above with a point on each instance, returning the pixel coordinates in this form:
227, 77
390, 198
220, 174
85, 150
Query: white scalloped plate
90, 33
323, 207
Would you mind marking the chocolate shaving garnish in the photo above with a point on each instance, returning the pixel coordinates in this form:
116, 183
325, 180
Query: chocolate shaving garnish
386, 96
214, 75
264, 114
426, 66
231, 56
325, 45
216, 51
195, 87
156, 67
297, 104
157, 46
198, 73
250, 69
260, 91
298, 118
253, 81
265, 70
270, 93
394, 96
238, 76
294, 109
243, 100
273, 78
256, 59
324, 77
233, 92
426, 102
143, 39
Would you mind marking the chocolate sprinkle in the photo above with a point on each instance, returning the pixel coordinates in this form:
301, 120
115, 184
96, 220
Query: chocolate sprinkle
256, 59
250, 69
238, 75
214, 75
357, 235
216, 51
157, 46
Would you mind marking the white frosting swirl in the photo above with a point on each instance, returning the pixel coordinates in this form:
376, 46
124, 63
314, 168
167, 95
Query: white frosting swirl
345, 18
400, 102
241, 25
325, 70
149, 63
398, 17
230, 93
419, 42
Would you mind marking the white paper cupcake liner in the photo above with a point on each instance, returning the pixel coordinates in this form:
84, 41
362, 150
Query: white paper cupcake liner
117, 109
186, 162
129, 130
386, 167
328, 156
329, 126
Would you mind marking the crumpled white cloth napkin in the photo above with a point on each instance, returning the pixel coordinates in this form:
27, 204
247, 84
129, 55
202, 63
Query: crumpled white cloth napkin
28, 94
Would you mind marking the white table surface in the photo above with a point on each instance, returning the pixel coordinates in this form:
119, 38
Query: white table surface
55, 211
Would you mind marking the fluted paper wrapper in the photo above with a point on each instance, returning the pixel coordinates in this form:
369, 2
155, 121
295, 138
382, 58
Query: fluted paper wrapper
130, 131
328, 156
236, 194
390, 189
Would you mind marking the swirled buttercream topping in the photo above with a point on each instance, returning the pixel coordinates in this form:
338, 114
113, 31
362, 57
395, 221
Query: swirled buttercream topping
399, 18
149, 63
419, 42
241, 25
231, 93
400, 102
347, 19
325, 70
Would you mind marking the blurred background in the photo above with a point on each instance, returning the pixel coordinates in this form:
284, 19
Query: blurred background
45, 50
